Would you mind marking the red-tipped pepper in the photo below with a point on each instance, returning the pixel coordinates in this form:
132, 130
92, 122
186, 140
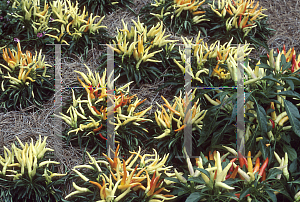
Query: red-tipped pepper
238, 195
242, 160
227, 176
263, 167
273, 124
278, 51
284, 50
235, 171
231, 168
97, 129
264, 176
240, 19
102, 136
257, 164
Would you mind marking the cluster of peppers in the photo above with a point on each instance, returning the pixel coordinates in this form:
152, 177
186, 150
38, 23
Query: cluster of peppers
22, 67
223, 54
242, 14
179, 108
290, 56
96, 91
63, 11
126, 176
32, 12
246, 170
17, 161
179, 7
148, 42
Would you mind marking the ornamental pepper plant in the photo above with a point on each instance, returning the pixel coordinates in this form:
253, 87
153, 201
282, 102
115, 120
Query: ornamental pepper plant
242, 20
87, 114
181, 16
103, 7
139, 53
171, 121
25, 81
27, 175
31, 23
76, 27
136, 178
213, 65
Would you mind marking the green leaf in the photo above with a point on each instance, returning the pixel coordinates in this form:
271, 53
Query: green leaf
293, 166
290, 151
293, 114
204, 171
291, 84
245, 192
272, 195
194, 197
261, 117
289, 93
286, 66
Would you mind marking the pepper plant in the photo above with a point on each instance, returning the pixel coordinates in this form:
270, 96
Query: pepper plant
179, 15
213, 65
31, 23
75, 27
126, 178
171, 122
88, 112
239, 19
26, 80
27, 175
103, 7
139, 54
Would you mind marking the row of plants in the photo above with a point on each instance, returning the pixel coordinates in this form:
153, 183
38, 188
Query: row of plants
26, 175
220, 20
37, 24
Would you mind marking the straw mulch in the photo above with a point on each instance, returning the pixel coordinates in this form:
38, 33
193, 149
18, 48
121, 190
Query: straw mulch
26, 124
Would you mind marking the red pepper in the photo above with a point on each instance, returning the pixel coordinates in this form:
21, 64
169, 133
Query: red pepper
96, 91
268, 55
211, 156
231, 168
233, 3
235, 171
227, 176
243, 161
273, 124
263, 176
284, 49
263, 167
96, 110
238, 195
240, 20
97, 129
118, 106
91, 88
293, 68
246, 26
102, 136
215, 175
293, 63
257, 164
278, 51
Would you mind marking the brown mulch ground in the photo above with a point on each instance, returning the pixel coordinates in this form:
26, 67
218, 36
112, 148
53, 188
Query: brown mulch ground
284, 16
